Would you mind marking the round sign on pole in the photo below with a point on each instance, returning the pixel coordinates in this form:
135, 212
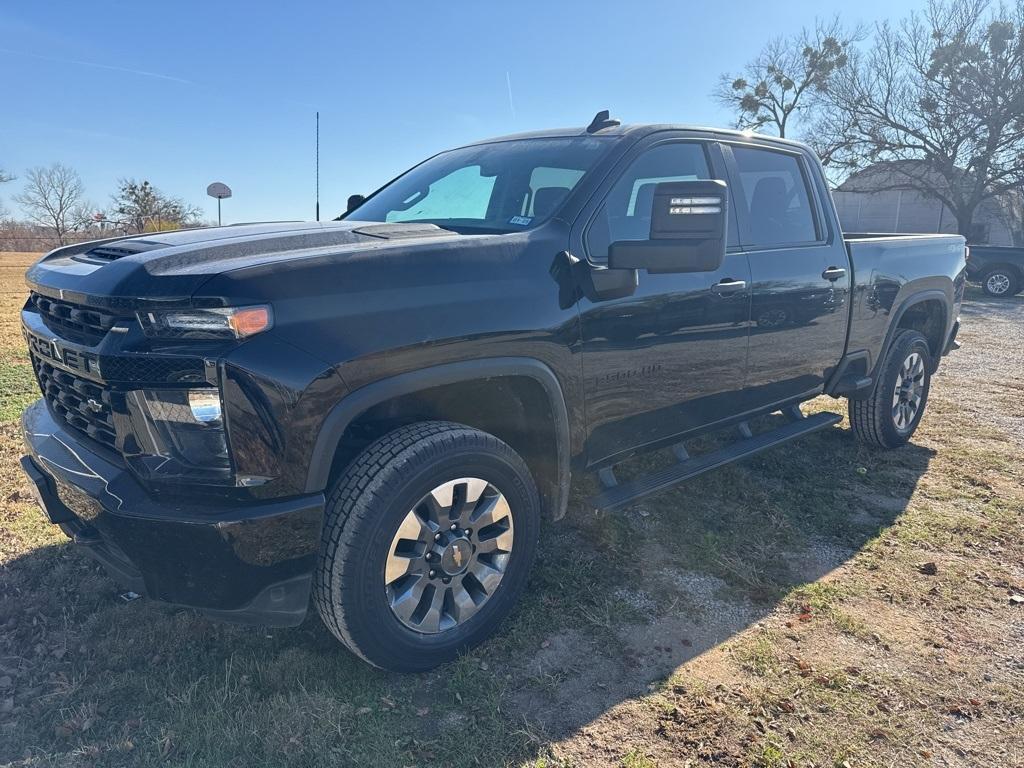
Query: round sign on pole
221, 191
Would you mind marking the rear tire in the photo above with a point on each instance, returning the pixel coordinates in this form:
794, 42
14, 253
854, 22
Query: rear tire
890, 415
428, 539
1001, 282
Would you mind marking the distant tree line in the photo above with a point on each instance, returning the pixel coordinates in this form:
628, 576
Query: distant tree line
56, 211
943, 88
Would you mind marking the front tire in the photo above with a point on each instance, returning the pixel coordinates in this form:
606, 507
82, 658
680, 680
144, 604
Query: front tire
890, 415
1000, 282
428, 539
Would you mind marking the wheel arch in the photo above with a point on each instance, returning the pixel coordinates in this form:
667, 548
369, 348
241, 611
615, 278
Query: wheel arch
1007, 266
925, 311
517, 399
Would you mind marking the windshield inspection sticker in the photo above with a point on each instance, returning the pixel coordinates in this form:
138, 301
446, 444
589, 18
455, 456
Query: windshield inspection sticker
522, 221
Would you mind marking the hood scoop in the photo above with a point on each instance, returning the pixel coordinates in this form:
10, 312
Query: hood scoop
117, 250
402, 231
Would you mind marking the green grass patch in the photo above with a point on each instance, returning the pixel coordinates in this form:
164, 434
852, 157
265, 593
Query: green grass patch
637, 759
18, 388
757, 654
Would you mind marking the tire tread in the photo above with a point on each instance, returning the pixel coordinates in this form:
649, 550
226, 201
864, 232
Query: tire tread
354, 498
867, 416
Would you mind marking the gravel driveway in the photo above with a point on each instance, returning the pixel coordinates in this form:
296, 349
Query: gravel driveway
993, 370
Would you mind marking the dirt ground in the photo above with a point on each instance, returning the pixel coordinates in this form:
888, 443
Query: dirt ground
820, 605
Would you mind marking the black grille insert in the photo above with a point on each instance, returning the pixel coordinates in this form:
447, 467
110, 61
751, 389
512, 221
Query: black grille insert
82, 404
82, 325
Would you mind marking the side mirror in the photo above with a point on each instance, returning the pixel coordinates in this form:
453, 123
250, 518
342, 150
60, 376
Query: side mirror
354, 201
688, 230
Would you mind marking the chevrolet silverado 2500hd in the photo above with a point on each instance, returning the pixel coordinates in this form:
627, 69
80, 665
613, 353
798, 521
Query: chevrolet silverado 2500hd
998, 269
372, 415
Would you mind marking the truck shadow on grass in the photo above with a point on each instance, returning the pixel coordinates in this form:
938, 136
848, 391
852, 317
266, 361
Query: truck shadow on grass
617, 603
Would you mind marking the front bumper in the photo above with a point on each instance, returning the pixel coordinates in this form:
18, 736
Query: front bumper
244, 562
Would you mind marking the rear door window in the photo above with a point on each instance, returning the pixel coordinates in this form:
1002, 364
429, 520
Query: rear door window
779, 204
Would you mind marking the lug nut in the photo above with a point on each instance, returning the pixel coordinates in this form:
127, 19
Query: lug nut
429, 556
455, 527
467, 532
447, 579
432, 573
437, 537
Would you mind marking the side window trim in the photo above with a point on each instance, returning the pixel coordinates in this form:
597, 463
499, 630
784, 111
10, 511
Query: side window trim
720, 170
821, 227
716, 167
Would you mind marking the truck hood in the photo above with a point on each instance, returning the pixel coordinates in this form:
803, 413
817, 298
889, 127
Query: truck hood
130, 272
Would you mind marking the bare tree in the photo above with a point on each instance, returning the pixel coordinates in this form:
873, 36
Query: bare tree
939, 99
787, 77
53, 198
4, 177
141, 207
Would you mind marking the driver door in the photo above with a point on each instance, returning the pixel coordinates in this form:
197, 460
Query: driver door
671, 357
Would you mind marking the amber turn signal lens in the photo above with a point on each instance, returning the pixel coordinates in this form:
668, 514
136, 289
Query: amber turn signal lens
246, 322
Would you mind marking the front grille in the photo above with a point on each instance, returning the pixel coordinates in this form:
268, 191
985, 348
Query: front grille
82, 404
147, 368
82, 325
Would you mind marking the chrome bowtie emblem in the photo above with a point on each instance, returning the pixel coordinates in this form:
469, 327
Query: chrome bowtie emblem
93, 405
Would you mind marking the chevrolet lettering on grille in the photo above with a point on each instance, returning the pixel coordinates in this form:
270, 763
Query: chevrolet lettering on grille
71, 359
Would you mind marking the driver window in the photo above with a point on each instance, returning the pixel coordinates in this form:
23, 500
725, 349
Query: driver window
626, 213
778, 202
462, 194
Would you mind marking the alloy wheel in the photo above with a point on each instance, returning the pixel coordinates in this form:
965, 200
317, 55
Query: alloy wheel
998, 283
449, 555
906, 399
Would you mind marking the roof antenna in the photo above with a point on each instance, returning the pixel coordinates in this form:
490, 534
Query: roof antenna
318, 165
601, 121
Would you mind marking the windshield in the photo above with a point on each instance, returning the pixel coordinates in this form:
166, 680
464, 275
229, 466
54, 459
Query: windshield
500, 187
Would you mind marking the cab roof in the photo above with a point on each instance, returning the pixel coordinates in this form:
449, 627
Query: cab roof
635, 131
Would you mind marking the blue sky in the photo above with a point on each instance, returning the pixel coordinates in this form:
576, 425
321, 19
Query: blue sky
187, 93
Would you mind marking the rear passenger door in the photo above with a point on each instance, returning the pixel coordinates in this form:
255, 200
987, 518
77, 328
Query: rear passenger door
799, 270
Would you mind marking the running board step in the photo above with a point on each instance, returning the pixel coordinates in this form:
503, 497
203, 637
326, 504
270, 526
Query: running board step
622, 494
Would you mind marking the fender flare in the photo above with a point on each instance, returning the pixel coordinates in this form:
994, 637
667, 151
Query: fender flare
910, 301
357, 402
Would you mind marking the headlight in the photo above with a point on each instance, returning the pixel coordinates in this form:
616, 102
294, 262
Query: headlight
178, 433
217, 323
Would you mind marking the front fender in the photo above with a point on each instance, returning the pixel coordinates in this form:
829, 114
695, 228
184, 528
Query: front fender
359, 401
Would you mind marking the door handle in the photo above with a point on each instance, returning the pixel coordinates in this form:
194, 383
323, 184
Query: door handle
728, 286
833, 273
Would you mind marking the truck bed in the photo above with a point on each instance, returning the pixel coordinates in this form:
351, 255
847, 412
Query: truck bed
889, 268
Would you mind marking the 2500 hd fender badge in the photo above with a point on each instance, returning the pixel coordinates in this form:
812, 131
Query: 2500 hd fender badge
629, 374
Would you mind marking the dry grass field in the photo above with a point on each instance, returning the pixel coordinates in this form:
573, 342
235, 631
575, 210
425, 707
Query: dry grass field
819, 605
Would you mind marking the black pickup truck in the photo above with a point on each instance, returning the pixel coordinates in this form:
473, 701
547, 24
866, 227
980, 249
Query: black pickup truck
998, 269
375, 414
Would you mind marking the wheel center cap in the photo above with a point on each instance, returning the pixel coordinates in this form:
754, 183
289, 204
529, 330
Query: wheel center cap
455, 558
